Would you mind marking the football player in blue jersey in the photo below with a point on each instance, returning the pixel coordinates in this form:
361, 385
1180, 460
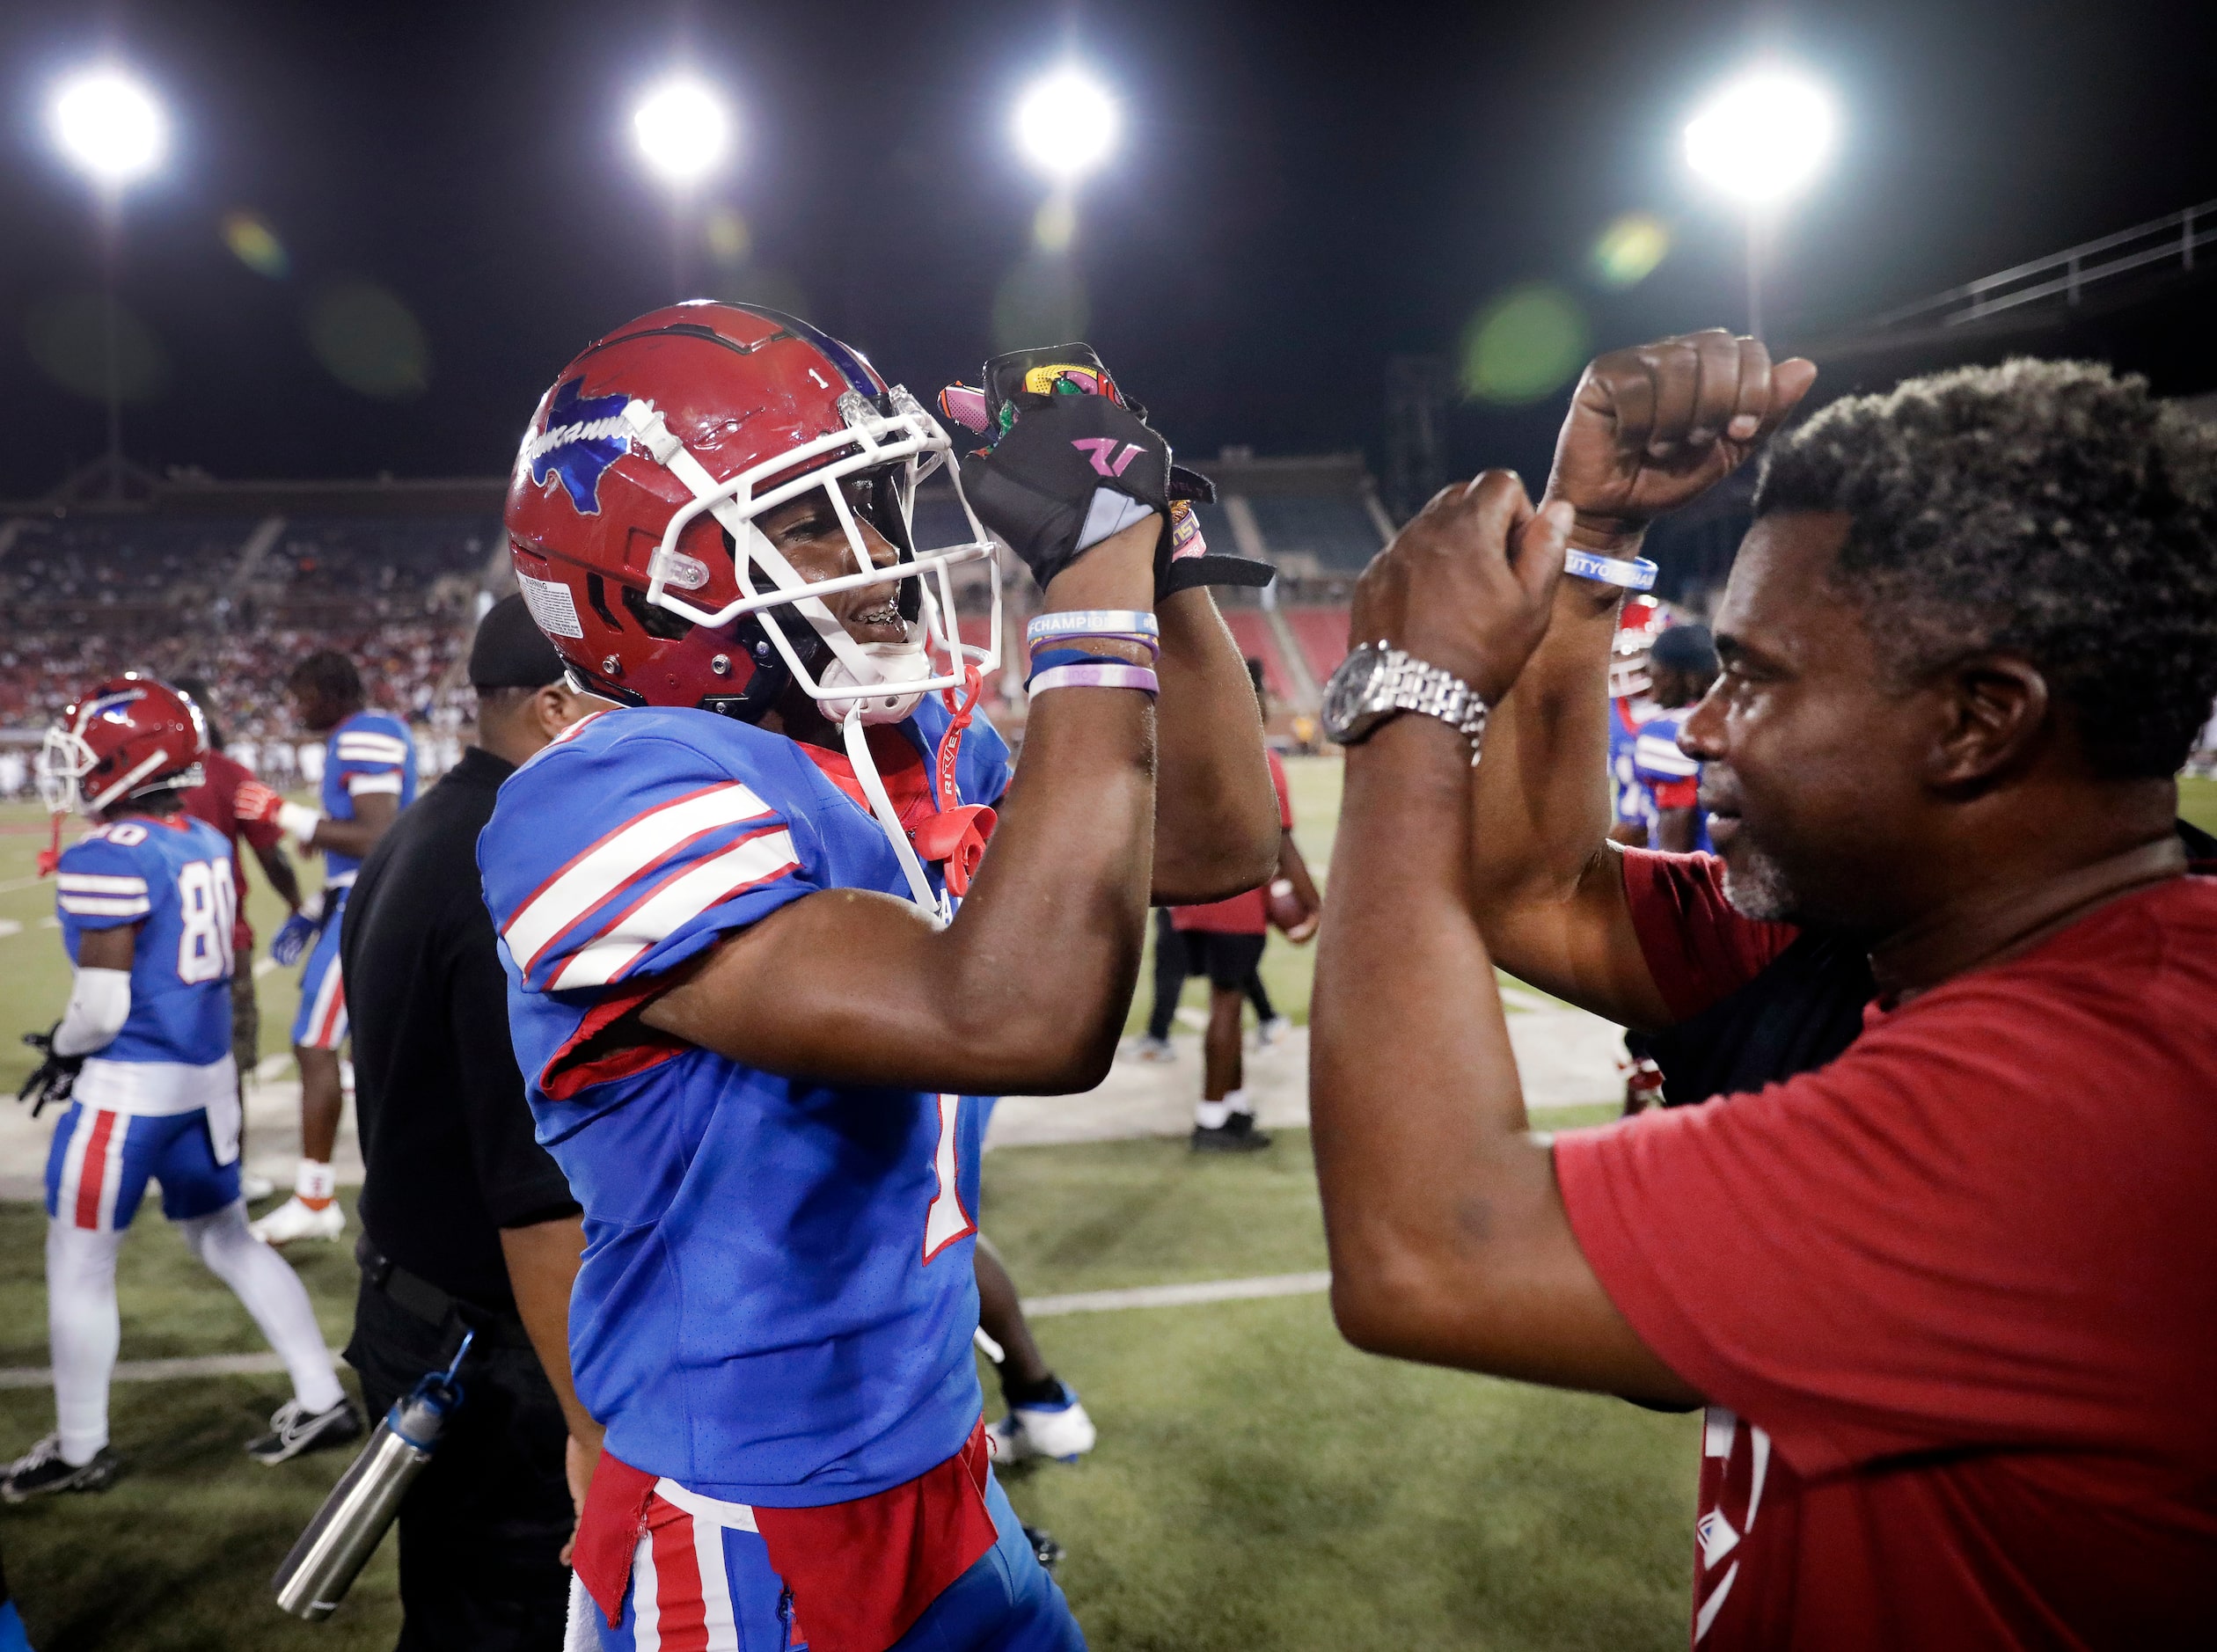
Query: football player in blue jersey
1631, 704
368, 776
143, 1057
752, 1017
1682, 665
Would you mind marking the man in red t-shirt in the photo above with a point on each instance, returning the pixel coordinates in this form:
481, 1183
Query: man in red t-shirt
1225, 941
215, 801
1947, 1298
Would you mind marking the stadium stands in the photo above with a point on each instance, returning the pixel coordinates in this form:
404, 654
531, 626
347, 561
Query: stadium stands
235, 581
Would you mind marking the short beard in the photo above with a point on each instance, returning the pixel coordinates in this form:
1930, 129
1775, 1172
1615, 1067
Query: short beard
1759, 887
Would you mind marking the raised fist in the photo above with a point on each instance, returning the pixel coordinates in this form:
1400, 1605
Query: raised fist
1655, 426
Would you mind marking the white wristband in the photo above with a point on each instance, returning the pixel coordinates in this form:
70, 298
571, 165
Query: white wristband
299, 821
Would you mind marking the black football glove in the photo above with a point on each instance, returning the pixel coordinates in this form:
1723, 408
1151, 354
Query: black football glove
54, 1078
1027, 383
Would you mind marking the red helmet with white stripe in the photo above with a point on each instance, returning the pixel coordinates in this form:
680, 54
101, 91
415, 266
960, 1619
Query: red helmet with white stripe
1639, 622
632, 507
129, 736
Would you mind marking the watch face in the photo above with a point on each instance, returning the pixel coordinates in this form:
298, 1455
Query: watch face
1349, 688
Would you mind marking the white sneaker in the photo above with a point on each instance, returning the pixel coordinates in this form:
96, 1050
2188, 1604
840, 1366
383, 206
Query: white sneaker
1272, 1031
1060, 1429
1153, 1050
294, 1220
254, 1189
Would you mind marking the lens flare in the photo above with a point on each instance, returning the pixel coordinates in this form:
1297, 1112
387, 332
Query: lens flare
726, 233
1526, 343
255, 245
1629, 249
369, 341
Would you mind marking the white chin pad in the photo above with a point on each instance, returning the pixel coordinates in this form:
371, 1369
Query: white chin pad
890, 663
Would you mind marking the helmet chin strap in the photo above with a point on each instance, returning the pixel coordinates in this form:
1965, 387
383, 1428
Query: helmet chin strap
858, 747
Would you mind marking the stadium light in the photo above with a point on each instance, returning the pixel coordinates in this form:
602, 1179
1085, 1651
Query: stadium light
683, 131
109, 126
1763, 137
1067, 124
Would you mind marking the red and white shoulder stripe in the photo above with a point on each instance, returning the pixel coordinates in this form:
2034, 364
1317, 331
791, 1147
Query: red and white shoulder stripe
615, 901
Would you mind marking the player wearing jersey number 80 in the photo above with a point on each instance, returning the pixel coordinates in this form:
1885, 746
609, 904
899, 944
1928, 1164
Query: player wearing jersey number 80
750, 1018
142, 1055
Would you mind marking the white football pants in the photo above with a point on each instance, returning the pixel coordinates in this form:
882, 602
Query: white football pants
85, 1330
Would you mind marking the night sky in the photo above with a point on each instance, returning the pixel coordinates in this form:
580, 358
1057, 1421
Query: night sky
1303, 192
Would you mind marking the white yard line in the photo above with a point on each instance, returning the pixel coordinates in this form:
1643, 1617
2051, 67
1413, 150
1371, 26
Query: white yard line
157, 1370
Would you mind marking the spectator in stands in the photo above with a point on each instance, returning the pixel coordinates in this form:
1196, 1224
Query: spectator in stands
215, 801
1935, 1293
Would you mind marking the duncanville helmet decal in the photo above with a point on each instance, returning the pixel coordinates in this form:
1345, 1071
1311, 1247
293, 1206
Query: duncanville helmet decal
584, 436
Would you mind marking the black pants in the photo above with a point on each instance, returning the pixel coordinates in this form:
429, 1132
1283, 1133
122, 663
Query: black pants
1174, 961
482, 1530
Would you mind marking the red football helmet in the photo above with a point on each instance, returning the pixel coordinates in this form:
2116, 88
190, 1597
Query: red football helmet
129, 736
1639, 622
631, 517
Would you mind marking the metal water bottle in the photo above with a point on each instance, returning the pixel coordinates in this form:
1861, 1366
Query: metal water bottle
348, 1529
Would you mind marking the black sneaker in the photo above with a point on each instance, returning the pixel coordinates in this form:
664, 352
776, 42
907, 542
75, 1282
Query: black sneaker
295, 1431
40, 1470
1043, 1547
1236, 1135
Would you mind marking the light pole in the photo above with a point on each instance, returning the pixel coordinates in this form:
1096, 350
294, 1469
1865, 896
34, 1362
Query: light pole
1761, 140
111, 128
683, 131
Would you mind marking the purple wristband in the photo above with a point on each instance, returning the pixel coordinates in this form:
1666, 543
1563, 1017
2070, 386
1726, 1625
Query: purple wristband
1103, 676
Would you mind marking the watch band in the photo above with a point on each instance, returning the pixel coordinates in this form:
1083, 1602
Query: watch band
1412, 685
1633, 573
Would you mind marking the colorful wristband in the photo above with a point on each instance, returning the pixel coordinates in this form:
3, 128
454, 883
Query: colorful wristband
1071, 622
1118, 675
1633, 573
1065, 654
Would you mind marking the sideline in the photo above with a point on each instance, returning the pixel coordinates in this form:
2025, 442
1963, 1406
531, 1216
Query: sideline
156, 1370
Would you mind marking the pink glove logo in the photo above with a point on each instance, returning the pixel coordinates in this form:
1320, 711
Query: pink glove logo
1098, 449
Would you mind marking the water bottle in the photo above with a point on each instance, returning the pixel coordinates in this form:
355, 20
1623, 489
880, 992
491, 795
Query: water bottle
351, 1522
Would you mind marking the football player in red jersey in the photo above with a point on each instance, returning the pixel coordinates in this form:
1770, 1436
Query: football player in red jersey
753, 1021
216, 800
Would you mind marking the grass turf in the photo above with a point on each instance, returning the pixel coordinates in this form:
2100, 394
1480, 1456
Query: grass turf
1260, 1484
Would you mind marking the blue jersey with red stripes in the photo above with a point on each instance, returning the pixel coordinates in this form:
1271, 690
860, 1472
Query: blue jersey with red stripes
172, 875
369, 752
1668, 779
1625, 796
776, 1303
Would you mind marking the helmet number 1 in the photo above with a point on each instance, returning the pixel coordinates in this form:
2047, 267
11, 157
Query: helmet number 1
209, 904
946, 1221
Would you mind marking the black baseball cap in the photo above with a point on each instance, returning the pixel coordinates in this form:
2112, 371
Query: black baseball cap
511, 651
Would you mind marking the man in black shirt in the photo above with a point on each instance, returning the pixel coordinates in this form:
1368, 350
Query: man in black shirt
466, 1221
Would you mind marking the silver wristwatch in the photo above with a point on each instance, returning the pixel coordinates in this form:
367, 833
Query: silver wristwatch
1377, 681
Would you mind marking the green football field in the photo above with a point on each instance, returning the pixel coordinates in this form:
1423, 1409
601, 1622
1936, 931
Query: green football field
1258, 1484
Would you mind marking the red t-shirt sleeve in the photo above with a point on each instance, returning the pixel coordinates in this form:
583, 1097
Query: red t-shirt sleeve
1696, 947
1942, 1240
1285, 797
